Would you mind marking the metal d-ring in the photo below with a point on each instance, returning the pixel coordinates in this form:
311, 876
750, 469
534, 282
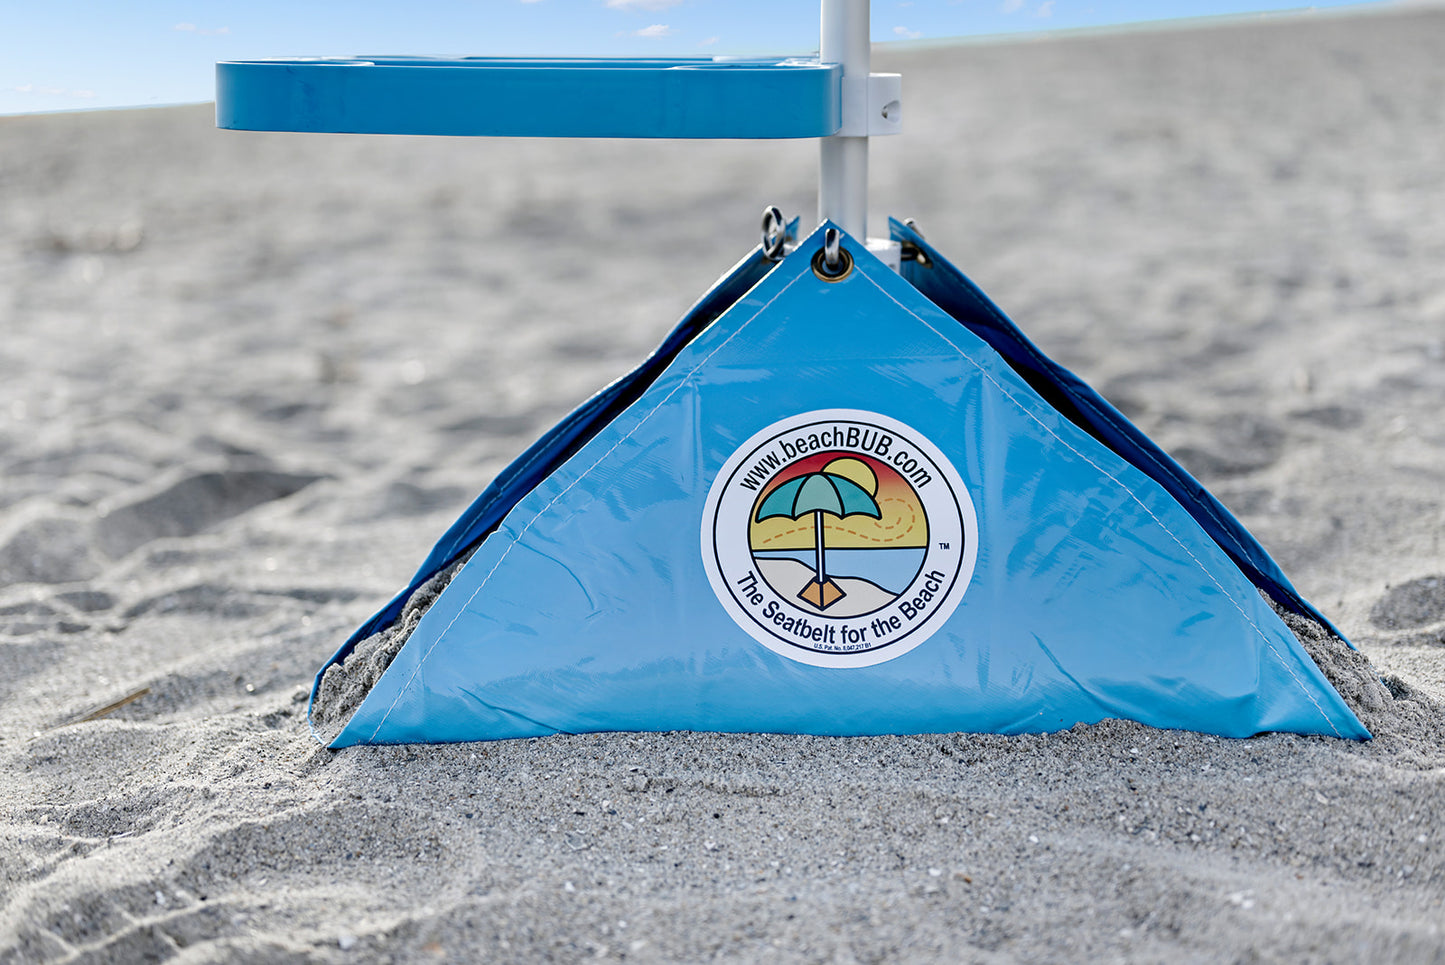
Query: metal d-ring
832, 262
775, 233
910, 251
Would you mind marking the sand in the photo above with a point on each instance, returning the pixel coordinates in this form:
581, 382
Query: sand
345, 684
246, 380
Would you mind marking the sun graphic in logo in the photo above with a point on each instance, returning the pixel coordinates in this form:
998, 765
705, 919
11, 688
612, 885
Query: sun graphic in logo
841, 533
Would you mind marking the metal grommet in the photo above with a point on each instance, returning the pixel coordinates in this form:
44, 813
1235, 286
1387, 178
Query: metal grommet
775, 233
832, 262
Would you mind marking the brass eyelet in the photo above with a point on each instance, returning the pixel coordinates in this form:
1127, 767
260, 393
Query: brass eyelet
832, 262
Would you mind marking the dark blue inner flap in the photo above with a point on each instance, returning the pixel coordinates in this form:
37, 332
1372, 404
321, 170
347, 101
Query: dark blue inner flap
951, 290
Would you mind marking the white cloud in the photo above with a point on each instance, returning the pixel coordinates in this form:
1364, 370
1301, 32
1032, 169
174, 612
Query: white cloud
708, 42
642, 4
1012, 6
907, 34
654, 31
1046, 9
53, 91
191, 28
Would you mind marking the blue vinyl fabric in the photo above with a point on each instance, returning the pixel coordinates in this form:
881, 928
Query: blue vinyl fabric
1089, 591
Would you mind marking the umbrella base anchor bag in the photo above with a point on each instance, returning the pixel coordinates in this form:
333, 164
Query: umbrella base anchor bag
842, 501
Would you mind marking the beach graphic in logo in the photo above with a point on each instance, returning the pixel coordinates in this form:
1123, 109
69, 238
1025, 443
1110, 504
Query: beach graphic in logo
839, 538
842, 532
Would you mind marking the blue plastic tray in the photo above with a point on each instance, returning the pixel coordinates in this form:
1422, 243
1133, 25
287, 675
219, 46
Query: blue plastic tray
584, 97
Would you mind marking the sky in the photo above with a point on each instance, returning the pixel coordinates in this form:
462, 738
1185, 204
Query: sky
72, 55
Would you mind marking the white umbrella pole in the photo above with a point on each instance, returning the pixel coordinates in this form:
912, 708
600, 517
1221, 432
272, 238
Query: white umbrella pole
843, 158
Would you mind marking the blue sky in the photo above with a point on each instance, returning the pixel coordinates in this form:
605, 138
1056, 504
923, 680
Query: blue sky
68, 55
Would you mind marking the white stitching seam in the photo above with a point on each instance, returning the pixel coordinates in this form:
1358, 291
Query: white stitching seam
580, 476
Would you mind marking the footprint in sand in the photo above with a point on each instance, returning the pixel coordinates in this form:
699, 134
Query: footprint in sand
1410, 605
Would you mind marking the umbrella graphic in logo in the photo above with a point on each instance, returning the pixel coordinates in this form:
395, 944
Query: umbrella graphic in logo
819, 493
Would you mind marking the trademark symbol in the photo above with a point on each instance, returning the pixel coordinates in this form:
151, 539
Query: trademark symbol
943, 546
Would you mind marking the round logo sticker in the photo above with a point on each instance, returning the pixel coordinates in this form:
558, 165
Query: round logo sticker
839, 538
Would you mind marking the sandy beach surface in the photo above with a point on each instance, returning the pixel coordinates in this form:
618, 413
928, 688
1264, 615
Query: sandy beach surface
246, 380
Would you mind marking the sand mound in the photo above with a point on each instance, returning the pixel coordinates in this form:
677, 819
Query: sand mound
345, 684
1388, 705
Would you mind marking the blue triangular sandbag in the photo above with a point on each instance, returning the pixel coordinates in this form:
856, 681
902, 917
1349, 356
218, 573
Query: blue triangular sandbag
960, 555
